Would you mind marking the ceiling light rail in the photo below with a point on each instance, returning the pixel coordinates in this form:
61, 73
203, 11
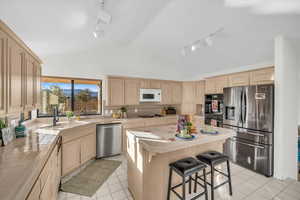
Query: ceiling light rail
206, 41
103, 18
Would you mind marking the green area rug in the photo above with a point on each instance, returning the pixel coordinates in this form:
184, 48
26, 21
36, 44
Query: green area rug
89, 180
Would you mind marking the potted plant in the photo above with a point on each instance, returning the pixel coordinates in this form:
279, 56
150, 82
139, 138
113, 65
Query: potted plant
189, 127
2, 126
69, 115
124, 112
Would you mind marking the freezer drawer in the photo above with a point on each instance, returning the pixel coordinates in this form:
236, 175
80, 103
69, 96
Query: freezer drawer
258, 158
109, 140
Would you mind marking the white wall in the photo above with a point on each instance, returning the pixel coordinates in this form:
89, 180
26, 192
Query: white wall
286, 111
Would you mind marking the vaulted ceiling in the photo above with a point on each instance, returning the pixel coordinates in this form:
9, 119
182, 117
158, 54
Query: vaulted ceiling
145, 37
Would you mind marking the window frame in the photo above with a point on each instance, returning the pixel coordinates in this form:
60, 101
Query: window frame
72, 82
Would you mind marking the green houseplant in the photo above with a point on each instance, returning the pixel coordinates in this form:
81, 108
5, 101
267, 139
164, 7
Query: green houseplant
124, 112
69, 115
2, 126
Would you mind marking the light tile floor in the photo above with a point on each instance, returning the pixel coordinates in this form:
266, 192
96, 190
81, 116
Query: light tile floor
247, 185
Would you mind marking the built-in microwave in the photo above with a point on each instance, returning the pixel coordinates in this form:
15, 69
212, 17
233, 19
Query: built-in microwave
150, 95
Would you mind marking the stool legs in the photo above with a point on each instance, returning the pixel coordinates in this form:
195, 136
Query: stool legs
190, 184
170, 183
205, 185
229, 178
212, 181
183, 188
195, 184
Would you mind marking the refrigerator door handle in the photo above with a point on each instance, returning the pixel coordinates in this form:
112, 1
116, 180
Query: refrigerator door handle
245, 107
241, 107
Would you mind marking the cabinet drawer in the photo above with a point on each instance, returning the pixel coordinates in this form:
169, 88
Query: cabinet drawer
77, 132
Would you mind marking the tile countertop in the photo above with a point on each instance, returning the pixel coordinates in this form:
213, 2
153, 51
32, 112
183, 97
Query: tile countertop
22, 160
161, 139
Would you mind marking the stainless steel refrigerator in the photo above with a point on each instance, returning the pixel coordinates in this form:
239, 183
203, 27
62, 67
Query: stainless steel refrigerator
249, 111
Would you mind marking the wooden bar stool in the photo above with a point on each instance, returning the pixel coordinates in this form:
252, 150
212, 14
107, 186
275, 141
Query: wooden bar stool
187, 167
214, 158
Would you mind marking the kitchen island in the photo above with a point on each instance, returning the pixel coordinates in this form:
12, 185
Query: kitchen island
151, 150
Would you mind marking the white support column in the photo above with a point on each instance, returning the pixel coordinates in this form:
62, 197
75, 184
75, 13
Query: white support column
286, 107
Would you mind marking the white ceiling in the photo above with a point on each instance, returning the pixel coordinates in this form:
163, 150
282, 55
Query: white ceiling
146, 37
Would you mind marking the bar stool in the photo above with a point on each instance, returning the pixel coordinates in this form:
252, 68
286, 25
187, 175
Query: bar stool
187, 167
213, 158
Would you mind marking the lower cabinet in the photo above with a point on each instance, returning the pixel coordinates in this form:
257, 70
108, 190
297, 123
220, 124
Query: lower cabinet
78, 151
70, 156
46, 186
88, 147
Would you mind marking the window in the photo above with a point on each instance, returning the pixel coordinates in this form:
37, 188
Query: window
78, 95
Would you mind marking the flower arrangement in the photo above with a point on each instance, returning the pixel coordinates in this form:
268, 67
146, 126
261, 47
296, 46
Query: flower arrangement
69, 114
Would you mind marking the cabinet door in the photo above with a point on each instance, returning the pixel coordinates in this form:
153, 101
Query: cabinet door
132, 91
220, 83
176, 93
88, 147
166, 93
15, 78
238, 79
3, 42
262, 76
48, 191
188, 109
37, 85
155, 84
70, 156
35, 191
29, 82
189, 92
116, 92
200, 92
145, 84
210, 86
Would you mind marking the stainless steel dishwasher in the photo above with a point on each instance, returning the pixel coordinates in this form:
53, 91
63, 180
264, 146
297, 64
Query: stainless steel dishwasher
109, 139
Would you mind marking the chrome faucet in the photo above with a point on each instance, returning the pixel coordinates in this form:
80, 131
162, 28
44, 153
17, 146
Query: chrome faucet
55, 116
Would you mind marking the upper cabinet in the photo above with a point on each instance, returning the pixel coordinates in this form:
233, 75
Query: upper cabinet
215, 85
132, 91
200, 92
189, 92
17, 74
3, 41
37, 85
262, 76
115, 92
16, 69
150, 84
166, 92
29, 81
176, 93
239, 79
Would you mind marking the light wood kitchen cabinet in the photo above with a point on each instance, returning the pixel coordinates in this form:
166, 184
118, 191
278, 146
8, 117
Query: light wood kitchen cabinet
176, 93
239, 79
189, 92
88, 148
37, 85
116, 96
166, 96
70, 156
3, 42
46, 185
132, 91
15, 77
29, 81
215, 85
145, 83
262, 76
200, 92
221, 83
155, 84
35, 191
